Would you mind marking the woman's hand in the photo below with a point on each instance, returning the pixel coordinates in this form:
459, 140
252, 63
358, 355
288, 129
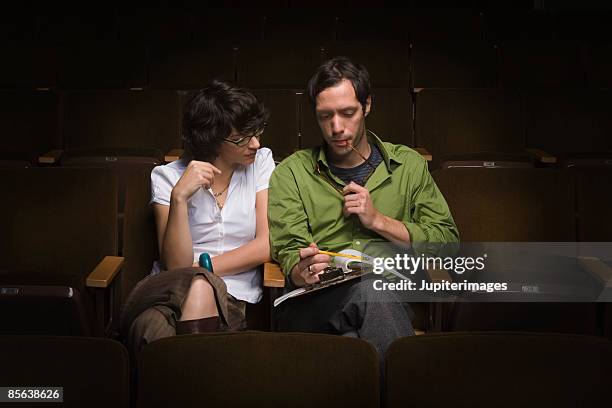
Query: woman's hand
197, 174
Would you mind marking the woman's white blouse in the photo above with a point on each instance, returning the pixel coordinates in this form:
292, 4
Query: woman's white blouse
218, 231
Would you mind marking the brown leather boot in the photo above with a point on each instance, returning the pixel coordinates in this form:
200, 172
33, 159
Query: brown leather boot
204, 325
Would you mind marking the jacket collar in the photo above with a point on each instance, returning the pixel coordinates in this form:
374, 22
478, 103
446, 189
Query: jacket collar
389, 157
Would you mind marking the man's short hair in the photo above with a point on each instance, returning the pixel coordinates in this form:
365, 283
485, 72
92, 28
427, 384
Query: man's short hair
212, 112
335, 70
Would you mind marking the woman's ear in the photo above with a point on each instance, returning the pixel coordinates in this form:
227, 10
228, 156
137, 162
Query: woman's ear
368, 106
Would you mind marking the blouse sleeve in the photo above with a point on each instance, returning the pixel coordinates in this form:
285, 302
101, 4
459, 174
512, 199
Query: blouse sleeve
264, 165
161, 186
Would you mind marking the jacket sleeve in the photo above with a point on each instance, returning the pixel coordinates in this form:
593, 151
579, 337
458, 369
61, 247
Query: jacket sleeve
432, 225
287, 219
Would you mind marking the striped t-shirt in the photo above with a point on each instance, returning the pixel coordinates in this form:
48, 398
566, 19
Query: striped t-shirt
359, 174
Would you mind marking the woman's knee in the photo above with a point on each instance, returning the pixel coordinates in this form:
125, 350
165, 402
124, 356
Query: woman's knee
201, 288
200, 300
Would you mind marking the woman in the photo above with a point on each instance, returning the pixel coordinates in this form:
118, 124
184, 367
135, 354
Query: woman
213, 200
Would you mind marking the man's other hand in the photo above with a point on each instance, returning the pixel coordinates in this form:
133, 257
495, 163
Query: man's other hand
310, 266
357, 200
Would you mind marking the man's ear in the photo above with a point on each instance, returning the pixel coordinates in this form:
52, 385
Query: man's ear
368, 106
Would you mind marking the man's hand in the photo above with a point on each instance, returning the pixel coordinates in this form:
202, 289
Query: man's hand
357, 200
310, 266
197, 174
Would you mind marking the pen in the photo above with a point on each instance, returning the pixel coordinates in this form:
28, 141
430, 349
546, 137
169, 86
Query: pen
342, 255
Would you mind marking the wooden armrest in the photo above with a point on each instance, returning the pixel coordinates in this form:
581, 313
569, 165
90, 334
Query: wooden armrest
173, 155
542, 156
424, 152
438, 275
104, 272
599, 270
50, 157
273, 275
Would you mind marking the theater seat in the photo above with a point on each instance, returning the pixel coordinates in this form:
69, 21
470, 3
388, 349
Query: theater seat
258, 369
135, 120
454, 64
103, 65
282, 131
387, 62
120, 130
573, 125
540, 64
498, 369
598, 63
190, 65
471, 128
92, 371
58, 250
524, 206
593, 198
29, 64
298, 25
277, 64
516, 24
28, 126
139, 245
509, 205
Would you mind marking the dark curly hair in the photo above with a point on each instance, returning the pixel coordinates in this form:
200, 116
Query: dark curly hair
332, 71
212, 112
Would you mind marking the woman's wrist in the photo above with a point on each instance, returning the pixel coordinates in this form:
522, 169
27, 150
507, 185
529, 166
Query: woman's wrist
177, 198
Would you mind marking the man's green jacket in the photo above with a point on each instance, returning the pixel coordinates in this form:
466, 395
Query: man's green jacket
305, 204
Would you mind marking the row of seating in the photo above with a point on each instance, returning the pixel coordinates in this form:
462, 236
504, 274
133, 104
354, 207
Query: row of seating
305, 370
70, 261
533, 205
570, 126
452, 124
324, 23
288, 64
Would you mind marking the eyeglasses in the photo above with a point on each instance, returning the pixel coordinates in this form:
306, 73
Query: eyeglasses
245, 140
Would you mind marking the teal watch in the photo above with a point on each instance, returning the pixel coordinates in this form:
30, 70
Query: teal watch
205, 262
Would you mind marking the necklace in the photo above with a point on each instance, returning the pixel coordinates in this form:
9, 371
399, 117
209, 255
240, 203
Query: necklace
219, 193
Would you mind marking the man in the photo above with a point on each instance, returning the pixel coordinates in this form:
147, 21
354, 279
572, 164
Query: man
351, 191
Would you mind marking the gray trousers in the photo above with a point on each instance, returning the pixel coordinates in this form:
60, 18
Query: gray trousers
350, 309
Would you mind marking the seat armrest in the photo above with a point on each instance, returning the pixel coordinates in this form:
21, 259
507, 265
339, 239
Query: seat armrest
273, 275
104, 272
173, 155
541, 156
598, 269
51, 157
424, 152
